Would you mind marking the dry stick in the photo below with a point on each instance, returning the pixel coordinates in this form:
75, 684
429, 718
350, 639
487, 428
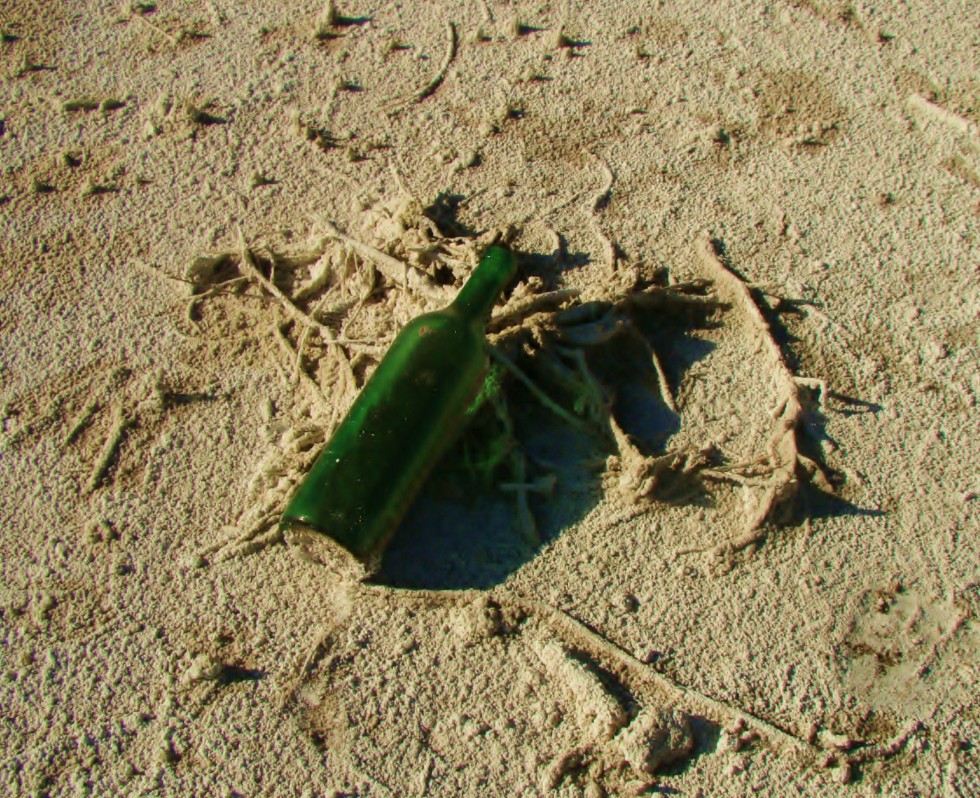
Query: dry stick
249, 535
733, 476
257, 535
298, 371
889, 748
81, 422
279, 367
538, 394
607, 245
121, 421
430, 87
529, 527
598, 202
678, 294
393, 269
252, 272
292, 356
157, 28
555, 242
662, 383
322, 273
515, 313
953, 122
709, 256
212, 290
638, 473
258, 538
145, 267
576, 632
591, 388
485, 9
783, 451
602, 198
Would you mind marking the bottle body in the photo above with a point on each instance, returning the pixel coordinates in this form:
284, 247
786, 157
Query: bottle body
404, 419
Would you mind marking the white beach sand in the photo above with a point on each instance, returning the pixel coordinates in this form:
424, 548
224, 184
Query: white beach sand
681, 642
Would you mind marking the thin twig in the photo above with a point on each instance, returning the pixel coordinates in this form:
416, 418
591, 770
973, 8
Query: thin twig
266, 535
538, 394
394, 270
299, 373
723, 275
599, 201
82, 420
121, 421
590, 388
784, 455
253, 531
430, 87
515, 313
936, 113
602, 198
214, 290
723, 475
604, 650
298, 361
173, 39
145, 267
251, 270
609, 248
529, 527
662, 384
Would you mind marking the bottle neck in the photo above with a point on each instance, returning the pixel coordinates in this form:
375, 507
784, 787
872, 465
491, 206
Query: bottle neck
476, 298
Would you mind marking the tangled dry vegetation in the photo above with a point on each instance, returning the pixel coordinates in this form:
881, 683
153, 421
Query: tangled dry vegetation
338, 298
341, 297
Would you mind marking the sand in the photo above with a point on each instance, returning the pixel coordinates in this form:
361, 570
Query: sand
757, 574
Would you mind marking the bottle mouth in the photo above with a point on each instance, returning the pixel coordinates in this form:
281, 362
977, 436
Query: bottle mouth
312, 545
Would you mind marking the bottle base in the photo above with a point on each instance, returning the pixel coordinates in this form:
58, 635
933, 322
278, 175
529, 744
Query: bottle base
314, 546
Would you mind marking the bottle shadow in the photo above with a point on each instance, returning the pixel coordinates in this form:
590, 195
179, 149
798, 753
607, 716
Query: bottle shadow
467, 528
472, 532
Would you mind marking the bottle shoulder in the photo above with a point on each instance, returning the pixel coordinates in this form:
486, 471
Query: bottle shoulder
447, 319
442, 339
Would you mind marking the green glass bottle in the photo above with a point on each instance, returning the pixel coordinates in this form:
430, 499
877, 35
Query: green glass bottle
409, 412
